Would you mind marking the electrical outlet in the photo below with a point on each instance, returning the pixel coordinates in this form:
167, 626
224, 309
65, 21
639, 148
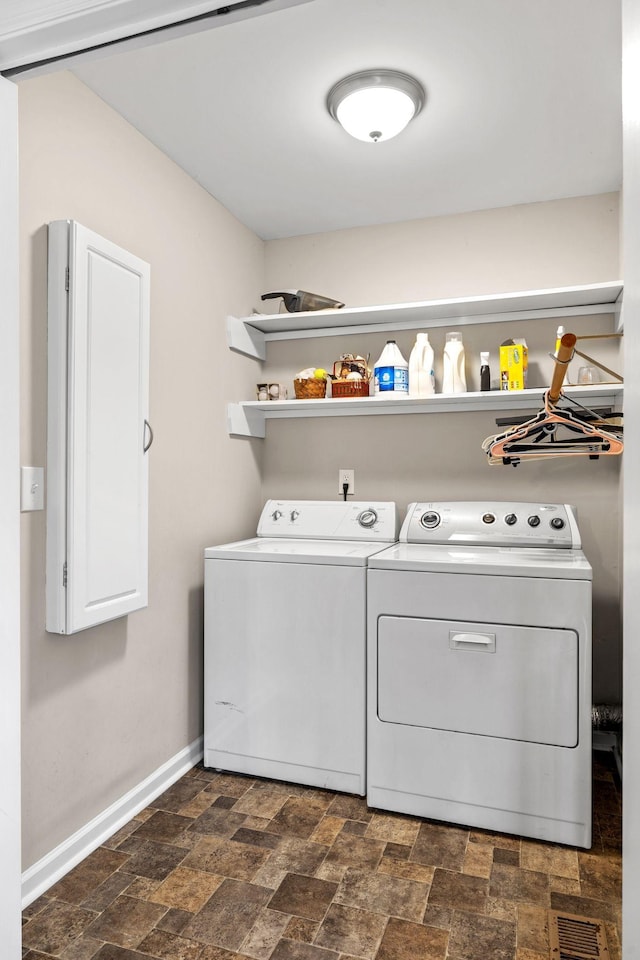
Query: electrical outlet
348, 477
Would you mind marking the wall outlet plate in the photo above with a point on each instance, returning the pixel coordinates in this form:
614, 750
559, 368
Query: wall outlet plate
347, 476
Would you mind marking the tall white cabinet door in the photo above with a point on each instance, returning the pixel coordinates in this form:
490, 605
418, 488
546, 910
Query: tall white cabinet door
97, 507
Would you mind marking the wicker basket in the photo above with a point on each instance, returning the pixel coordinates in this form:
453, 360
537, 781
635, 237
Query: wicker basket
310, 389
350, 388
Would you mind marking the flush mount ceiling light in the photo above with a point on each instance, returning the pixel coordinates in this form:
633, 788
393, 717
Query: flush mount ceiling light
375, 105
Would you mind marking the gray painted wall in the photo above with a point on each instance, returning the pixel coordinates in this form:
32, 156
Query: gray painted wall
104, 708
413, 457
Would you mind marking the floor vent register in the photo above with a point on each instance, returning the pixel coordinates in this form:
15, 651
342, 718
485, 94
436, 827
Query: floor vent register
576, 938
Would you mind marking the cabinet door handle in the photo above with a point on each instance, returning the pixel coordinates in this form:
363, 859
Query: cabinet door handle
145, 446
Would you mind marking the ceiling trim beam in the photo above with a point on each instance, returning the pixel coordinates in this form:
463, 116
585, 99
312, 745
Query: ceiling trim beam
81, 32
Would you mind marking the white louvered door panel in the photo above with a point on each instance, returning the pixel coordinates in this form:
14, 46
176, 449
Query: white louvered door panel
97, 514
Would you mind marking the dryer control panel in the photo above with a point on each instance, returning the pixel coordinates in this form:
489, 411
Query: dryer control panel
329, 520
492, 524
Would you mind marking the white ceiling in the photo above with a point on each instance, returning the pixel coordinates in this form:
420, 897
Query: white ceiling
523, 105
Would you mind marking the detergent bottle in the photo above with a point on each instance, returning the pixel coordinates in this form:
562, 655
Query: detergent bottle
421, 377
454, 378
560, 332
485, 372
391, 374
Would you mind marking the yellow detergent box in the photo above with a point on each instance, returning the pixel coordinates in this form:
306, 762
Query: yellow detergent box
514, 361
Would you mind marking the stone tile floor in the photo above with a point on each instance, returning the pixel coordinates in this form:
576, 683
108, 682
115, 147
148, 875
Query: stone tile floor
223, 866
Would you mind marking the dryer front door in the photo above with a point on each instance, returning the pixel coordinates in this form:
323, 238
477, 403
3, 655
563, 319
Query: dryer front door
487, 679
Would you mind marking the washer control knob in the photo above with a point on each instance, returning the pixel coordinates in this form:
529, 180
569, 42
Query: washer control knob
430, 520
488, 518
510, 519
557, 523
276, 514
294, 515
534, 520
367, 518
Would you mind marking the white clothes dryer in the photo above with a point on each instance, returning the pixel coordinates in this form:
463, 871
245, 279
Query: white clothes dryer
285, 643
479, 670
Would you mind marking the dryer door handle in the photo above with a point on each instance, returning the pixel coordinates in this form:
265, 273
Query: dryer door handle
482, 642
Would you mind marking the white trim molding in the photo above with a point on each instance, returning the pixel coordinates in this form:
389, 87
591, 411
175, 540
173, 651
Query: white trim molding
48, 870
630, 479
10, 526
37, 33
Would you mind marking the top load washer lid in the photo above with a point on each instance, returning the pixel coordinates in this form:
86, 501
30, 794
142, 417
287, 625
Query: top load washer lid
552, 564
316, 531
335, 552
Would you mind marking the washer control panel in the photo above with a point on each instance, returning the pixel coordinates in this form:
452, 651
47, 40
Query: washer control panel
330, 520
492, 524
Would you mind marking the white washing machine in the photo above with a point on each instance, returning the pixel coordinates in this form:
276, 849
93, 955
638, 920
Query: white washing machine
479, 670
285, 643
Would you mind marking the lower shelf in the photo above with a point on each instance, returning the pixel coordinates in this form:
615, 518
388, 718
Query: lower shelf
248, 419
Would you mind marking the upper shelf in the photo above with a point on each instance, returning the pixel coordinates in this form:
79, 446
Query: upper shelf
249, 335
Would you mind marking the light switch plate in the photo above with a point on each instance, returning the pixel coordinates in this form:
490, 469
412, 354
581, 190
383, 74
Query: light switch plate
31, 488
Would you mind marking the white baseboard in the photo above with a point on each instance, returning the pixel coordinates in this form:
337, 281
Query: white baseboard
47, 871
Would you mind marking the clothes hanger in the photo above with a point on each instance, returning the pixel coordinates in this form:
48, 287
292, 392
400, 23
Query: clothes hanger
555, 432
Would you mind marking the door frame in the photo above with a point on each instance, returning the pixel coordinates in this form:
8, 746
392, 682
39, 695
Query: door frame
630, 522
10, 894
9, 437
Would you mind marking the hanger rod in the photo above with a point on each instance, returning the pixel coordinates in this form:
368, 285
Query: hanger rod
564, 355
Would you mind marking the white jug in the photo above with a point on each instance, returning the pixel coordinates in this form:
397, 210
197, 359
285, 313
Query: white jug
421, 377
454, 378
391, 373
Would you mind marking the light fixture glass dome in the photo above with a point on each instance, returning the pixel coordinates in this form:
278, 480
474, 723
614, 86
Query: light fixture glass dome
375, 105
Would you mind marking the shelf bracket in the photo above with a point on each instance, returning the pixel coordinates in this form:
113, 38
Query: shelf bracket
243, 338
243, 421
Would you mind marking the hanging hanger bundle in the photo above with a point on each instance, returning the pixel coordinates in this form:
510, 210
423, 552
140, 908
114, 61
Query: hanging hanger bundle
556, 431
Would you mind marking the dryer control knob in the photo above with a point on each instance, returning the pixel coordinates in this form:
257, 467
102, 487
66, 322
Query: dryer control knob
557, 523
367, 518
510, 519
534, 520
276, 514
430, 520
